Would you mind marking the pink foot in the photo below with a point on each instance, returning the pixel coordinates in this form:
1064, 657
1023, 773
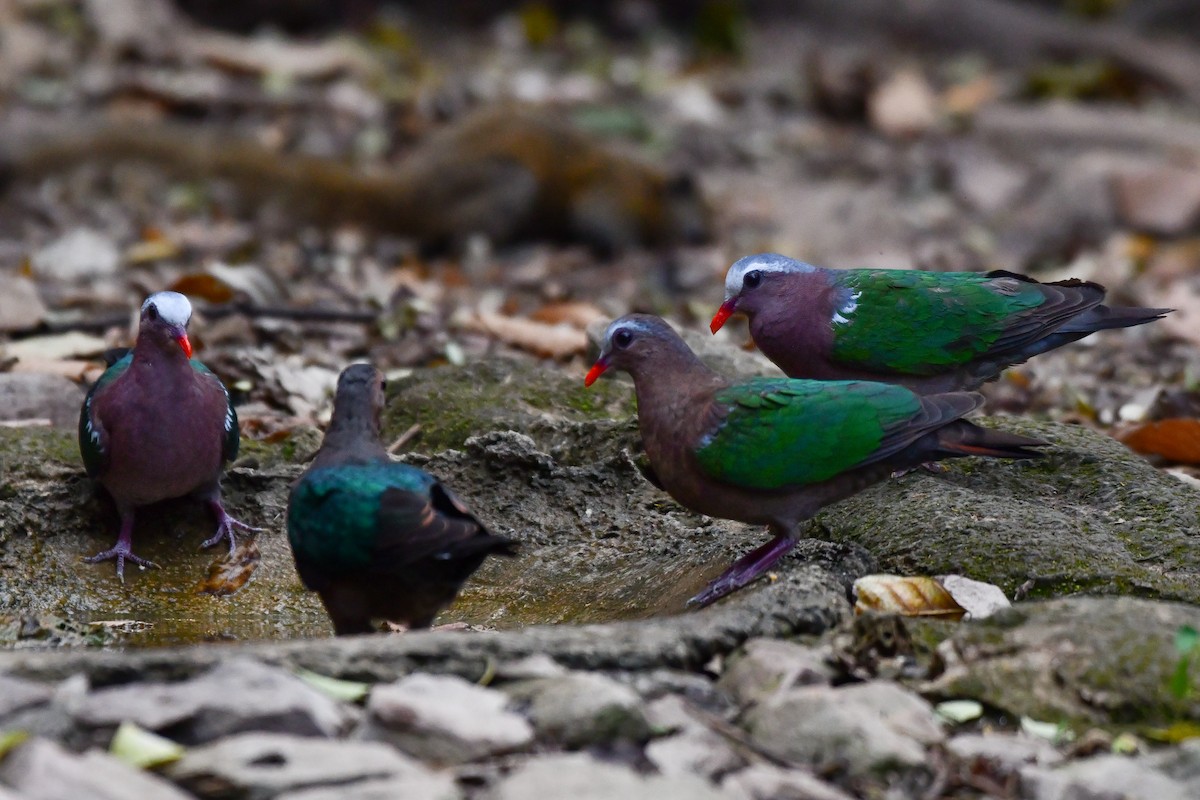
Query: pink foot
122, 553
225, 526
745, 570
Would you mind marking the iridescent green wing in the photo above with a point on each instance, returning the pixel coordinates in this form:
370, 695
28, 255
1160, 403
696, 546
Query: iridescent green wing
92, 438
339, 516
779, 432
922, 323
233, 439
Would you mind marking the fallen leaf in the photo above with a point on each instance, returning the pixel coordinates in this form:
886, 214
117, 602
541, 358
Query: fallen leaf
150, 250
919, 596
338, 689
56, 347
228, 574
959, 711
278, 57
1174, 439
86, 372
143, 749
10, 739
572, 312
204, 286
539, 338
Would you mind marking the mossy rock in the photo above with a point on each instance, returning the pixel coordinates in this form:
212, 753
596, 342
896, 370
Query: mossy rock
1090, 517
1079, 661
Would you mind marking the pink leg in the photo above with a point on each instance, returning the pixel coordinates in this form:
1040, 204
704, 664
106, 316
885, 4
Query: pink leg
123, 550
225, 526
745, 570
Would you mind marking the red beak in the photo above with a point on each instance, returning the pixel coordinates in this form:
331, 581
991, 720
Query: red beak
723, 313
596, 371
184, 344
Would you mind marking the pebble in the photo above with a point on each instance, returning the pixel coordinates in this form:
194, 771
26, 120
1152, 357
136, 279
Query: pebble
42, 770
236, 696
581, 709
445, 719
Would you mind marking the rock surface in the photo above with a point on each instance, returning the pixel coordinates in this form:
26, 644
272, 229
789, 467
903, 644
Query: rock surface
445, 720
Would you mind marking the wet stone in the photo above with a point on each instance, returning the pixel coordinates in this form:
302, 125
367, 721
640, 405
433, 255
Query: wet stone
263, 766
766, 782
582, 777
581, 709
237, 695
1101, 778
42, 770
863, 730
692, 747
1004, 753
17, 694
425, 785
765, 667
445, 719
35, 395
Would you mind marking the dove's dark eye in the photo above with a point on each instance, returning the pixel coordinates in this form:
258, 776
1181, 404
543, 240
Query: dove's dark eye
752, 279
383, 385
622, 338
151, 312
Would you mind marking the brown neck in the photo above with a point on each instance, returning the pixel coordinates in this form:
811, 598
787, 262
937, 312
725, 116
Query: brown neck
353, 436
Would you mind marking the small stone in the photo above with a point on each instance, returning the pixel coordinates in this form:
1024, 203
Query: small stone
39, 395
237, 695
860, 730
582, 777
765, 667
582, 709
41, 770
766, 782
18, 694
80, 254
694, 752
1005, 753
985, 181
445, 719
426, 785
1161, 199
903, 105
21, 307
1101, 778
257, 766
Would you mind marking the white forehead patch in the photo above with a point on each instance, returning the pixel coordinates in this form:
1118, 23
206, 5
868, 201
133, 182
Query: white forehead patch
628, 322
173, 308
763, 262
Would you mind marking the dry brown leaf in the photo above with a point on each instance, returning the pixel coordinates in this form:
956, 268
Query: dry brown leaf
573, 312
56, 346
204, 286
539, 338
292, 59
964, 99
77, 370
228, 574
918, 596
148, 250
1174, 439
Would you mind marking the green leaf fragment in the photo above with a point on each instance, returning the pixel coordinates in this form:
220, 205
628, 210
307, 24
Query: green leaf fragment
959, 711
1050, 731
10, 739
338, 689
141, 748
1186, 639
